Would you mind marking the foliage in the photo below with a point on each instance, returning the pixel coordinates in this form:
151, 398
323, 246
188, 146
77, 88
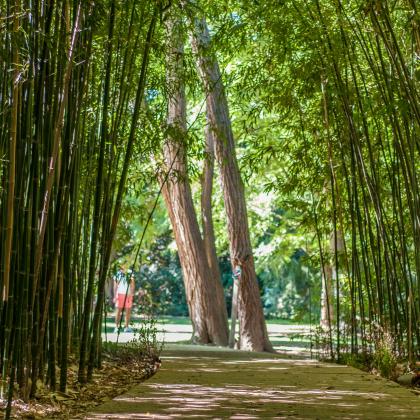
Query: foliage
324, 103
142, 351
73, 75
295, 293
324, 109
161, 282
384, 358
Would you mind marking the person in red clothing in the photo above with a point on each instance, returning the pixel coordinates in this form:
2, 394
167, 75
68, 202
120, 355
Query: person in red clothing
124, 287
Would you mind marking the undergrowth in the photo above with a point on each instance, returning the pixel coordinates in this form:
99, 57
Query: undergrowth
123, 366
377, 355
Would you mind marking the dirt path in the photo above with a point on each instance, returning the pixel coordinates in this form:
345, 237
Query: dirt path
208, 383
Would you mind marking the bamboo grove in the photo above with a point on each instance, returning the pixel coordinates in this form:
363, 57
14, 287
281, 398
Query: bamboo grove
371, 129
64, 163
342, 115
324, 96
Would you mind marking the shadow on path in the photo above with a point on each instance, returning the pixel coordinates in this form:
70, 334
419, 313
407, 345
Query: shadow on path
209, 382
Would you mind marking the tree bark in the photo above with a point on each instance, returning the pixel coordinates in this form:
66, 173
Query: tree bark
253, 331
326, 296
208, 319
207, 221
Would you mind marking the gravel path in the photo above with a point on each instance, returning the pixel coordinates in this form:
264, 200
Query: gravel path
198, 382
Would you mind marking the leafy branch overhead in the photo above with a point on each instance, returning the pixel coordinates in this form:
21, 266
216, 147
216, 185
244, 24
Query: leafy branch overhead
193, 139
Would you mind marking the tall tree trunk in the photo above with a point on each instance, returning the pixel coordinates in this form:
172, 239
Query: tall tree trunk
207, 220
253, 331
208, 319
326, 295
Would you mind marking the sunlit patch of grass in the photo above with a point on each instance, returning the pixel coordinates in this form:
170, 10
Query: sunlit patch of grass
281, 321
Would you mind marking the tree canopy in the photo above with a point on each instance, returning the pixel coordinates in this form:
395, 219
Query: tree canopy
323, 123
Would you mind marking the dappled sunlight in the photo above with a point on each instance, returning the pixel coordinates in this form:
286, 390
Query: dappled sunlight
298, 362
236, 385
293, 351
191, 400
253, 391
202, 369
191, 359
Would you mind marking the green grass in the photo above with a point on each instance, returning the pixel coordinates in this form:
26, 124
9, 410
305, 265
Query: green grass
295, 343
173, 320
180, 320
135, 319
280, 321
183, 320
